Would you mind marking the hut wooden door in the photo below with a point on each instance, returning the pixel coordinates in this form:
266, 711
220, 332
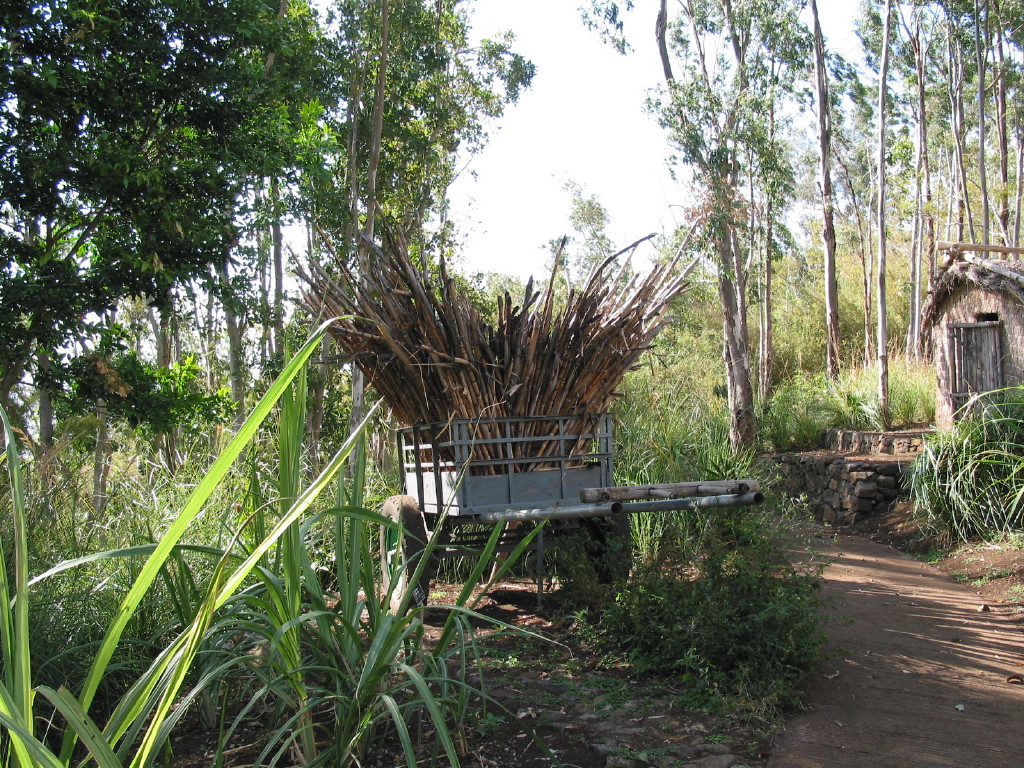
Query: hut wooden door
975, 360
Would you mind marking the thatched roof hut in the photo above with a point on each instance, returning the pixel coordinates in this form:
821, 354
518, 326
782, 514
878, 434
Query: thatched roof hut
975, 314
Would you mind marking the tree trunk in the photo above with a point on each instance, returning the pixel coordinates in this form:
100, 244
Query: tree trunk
832, 342
956, 96
319, 393
916, 250
981, 57
1002, 134
165, 335
236, 351
883, 335
660, 33
45, 408
926, 169
742, 425
954, 202
101, 460
378, 119
767, 346
277, 241
358, 380
923, 247
166, 348
1019, 197
263, 269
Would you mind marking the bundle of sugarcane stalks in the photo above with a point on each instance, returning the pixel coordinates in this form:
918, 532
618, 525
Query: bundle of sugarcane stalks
425, 348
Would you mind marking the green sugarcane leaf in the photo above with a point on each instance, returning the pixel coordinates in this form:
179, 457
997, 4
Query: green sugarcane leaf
195, 503
83, 725
403, 730
14, 629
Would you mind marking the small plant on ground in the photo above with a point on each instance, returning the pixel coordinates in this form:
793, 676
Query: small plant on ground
932, 556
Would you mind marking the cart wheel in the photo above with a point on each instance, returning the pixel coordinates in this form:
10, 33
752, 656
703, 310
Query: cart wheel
401, 549
610, 545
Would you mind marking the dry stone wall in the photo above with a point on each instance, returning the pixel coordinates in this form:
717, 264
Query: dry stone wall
858, 473
847, 440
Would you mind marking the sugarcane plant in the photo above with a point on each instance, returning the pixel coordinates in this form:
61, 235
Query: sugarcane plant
341, 661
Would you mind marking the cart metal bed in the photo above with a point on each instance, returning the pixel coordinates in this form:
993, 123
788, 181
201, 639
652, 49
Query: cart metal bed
461, 476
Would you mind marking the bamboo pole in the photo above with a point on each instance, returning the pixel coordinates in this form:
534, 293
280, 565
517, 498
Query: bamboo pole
961, 248
668, 490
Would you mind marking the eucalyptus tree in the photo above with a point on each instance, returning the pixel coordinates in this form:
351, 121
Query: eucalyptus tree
1002, 84
914, 63
824, 104
728, 64
883, 332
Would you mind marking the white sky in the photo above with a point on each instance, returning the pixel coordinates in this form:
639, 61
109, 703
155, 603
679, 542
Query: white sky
583, 120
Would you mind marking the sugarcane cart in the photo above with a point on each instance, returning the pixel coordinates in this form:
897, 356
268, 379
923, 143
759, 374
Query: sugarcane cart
475, 393
464, 475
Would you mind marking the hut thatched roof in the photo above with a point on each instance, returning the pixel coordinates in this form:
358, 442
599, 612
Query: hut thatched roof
1001, 275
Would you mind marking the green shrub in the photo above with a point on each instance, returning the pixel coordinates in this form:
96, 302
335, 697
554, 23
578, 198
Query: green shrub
733, 622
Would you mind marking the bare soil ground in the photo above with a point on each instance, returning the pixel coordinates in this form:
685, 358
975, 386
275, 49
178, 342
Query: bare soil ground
924, 671
993, 569
586, 707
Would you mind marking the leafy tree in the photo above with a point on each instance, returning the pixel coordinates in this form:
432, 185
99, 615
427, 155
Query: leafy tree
128, 131
437, 90
149, 397
589, 219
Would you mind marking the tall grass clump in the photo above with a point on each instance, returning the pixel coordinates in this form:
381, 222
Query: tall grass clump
255, 635
666, 432
969, 481
795, 415
911, 396
71, 609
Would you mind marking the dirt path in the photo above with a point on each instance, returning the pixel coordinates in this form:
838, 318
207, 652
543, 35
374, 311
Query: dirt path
921, 675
